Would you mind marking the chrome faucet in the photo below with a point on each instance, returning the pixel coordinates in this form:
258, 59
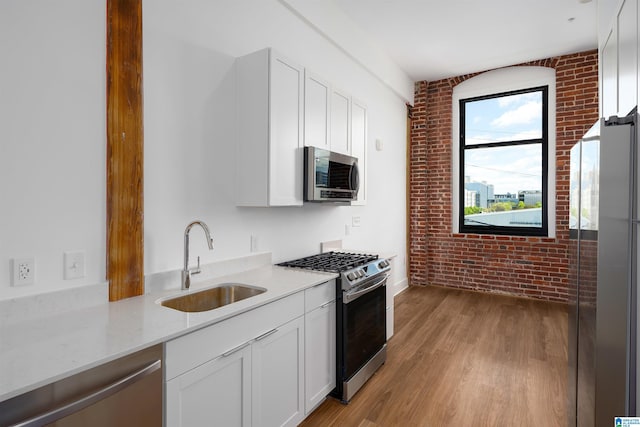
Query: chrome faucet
187, 272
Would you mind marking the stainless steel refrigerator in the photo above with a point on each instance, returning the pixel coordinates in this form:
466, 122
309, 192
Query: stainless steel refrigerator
603, 267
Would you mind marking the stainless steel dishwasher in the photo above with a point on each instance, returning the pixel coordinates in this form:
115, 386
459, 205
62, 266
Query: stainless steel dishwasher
124, 392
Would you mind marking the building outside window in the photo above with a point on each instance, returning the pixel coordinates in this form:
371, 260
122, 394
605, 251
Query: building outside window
503, 163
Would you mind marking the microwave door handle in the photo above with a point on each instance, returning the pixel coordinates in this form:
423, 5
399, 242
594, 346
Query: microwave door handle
354, 179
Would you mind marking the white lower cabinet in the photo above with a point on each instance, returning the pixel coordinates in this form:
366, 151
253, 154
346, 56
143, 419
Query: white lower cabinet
320, 350
277, 376
259, 368
216, 393
320, 343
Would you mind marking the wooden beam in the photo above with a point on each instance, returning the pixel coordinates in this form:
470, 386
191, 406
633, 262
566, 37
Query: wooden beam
125, 143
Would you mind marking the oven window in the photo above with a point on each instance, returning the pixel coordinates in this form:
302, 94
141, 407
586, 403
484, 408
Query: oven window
365, 329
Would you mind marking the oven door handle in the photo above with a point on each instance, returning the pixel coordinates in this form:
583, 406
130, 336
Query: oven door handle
350, 296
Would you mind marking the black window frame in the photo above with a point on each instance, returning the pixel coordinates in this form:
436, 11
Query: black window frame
544, 141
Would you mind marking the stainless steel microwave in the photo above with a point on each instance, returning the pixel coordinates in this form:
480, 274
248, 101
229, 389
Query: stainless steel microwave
329, 176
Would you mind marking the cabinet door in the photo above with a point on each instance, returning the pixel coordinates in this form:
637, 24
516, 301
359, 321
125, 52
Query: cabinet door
339, 122
285, 120
215, 393
610, 75
277, 376
390, 297
359, 146
316, 111
627, 57
320, 354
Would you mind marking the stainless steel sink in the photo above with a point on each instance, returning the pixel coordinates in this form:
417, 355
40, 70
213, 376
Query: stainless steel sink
211, 298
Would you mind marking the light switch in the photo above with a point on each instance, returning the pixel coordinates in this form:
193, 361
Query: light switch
73, 265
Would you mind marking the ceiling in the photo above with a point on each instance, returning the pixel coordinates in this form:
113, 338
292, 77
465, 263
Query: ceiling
434, 39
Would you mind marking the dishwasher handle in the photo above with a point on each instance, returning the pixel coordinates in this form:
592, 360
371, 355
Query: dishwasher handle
79, 404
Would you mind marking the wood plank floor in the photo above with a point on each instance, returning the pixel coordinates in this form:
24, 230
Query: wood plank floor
466, 359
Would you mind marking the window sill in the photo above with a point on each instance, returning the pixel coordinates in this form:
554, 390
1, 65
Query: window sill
501, 238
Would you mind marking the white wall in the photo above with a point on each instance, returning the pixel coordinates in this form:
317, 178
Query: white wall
52, 108
52, 138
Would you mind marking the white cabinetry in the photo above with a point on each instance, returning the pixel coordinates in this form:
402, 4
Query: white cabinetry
320, 343
390, 296
317, 103
327, 116
246, 370
340, 122
217, 392
270, 366
627, 57
609, 65
335, 121
270, 130
359, 146
619, 63
278, 376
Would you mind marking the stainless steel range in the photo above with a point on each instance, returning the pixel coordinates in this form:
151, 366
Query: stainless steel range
361, 346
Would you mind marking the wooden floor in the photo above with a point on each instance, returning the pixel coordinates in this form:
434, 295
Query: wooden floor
465, 359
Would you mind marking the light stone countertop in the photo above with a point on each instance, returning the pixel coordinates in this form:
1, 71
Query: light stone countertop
37, 351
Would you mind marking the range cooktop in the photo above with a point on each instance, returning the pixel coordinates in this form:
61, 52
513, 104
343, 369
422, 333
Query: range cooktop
334, 262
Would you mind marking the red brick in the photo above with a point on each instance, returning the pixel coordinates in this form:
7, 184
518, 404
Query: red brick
523, 266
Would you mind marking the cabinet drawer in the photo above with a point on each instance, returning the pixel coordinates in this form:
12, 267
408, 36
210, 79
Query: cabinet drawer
191, 350
319, 295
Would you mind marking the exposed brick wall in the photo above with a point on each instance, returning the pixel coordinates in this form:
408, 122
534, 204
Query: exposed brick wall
525, 266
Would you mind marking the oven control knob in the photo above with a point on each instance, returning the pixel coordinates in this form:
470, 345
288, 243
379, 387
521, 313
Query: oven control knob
383, 263
351, 276
360, 273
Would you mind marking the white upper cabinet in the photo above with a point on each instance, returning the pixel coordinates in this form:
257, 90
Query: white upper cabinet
340, 122
317, 94
609, 67
270, 130
627, 57
281, 107
619, 44
359, 146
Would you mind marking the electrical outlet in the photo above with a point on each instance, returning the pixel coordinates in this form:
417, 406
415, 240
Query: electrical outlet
73, 265
254, 243
23, 271
355, 221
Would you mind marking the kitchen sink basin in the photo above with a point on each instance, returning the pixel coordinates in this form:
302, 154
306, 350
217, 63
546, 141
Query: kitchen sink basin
211, 298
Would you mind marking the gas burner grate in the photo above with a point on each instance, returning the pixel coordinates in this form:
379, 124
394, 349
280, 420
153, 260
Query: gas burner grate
330, 261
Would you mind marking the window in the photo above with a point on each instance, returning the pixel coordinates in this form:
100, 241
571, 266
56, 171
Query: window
504, 163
